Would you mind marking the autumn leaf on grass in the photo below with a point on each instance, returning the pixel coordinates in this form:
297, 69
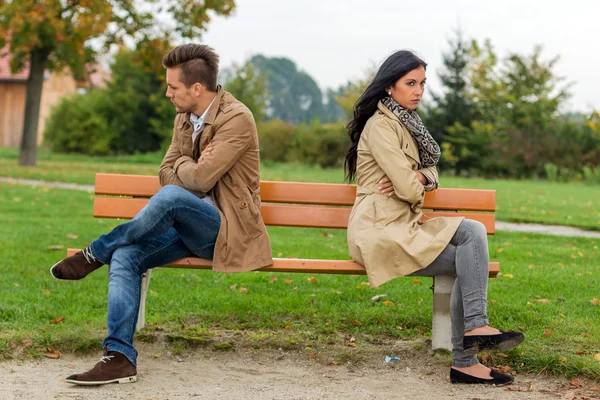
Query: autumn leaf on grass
541, 301
597, 357
288, 281
575, 383
507, 275
72, 236
547, 332
57, 320
355, 322
27, 343
273, 279
595, 301
243, 290
56, 247
563, 359
312, 279
388, 303
52, 353
503, 369
233, 287
416, 281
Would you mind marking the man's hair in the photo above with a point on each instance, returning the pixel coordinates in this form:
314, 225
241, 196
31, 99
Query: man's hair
198, 63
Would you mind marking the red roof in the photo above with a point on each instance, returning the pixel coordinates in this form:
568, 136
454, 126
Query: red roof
5, 73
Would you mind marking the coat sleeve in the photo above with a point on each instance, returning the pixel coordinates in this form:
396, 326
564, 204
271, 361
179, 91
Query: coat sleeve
230, 141
387, 151
432, 176
166, 173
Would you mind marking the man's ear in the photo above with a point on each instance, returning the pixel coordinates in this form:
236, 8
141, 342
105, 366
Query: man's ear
197, 89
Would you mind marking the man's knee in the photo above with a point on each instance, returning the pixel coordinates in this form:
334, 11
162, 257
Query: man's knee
124, 260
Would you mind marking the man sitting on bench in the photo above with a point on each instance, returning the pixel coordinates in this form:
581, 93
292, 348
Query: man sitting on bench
208, 206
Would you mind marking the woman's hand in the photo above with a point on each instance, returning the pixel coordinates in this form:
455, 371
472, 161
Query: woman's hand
385, 186
422, 178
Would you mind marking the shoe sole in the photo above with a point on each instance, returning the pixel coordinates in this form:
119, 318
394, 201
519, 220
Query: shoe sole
482, 382
128, 379
503, 346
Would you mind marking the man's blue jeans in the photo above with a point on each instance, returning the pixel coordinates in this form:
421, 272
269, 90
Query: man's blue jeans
174, 224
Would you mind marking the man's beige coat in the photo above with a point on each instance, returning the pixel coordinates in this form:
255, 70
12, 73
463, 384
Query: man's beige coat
229, 174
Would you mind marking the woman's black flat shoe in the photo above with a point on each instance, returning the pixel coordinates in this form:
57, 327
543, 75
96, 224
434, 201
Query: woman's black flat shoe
503, 341
496, 378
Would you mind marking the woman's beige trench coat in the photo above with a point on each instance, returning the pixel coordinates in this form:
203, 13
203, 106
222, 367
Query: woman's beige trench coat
385, 234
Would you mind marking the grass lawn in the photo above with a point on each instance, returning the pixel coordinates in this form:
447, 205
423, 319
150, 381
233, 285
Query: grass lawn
549, 290
552, 203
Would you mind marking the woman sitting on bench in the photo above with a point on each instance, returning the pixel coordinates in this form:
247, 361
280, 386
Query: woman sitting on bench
393, 157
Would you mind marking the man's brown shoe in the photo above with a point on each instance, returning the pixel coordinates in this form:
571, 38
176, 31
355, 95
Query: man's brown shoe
113, 367
76, 267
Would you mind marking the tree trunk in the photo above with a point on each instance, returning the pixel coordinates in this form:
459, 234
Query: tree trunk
35, 83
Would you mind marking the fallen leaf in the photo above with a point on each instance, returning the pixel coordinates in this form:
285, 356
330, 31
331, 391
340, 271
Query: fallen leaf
326, 234
27, 343
416, 281
597, 357
233, 287
562, 359
56, 247
388, 303
312, 279
595, 301
243, 290
508, 275
273, 279
288, 281
71, 236
335, 362
157, 355
595, 388
46, 292
52, 353
542, 301
487, 358
569, 396
288, 326
355, 322
547, 332
503, 369
350, 344
57, 320
575, 383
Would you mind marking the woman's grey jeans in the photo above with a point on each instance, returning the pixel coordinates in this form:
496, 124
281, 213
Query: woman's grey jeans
466, 257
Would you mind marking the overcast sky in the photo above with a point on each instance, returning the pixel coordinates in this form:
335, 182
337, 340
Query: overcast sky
337, 40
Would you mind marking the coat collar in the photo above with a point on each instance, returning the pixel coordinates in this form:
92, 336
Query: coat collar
213, 110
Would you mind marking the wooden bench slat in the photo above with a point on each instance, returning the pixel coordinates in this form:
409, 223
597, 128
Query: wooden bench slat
345, 267
305, 193
279, 215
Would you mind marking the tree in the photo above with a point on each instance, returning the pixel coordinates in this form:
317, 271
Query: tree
293, 95
56, 34
453, 106
249, 86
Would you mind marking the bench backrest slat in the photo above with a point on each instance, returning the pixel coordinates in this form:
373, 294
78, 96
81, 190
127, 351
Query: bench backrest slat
277, 214
305, 193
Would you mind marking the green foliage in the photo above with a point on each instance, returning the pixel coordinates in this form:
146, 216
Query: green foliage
78, 125
276, 138
131, 115
249, 86
322, 145
293, 95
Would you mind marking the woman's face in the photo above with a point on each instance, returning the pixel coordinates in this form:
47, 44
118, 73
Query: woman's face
408, 90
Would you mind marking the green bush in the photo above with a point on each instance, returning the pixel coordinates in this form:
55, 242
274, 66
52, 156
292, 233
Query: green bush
78, 125
276, 137
322, 145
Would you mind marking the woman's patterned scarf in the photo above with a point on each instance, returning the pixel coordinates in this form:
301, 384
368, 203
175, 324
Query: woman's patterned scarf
429, 150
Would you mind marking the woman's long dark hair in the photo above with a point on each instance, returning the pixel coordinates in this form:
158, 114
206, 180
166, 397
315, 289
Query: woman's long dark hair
395, 67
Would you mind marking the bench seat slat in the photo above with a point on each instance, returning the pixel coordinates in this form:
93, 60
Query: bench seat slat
305, 193
345, 267
277, 215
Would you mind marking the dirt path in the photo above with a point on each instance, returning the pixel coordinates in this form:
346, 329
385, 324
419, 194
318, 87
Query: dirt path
269, 374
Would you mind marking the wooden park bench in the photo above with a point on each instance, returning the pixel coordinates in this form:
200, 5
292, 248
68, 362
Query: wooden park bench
315, 205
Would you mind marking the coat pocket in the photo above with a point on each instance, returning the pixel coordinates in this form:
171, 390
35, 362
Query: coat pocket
249, 219
387, 211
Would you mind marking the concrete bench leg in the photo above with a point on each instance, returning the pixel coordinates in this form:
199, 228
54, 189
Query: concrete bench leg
441, 331
142, 313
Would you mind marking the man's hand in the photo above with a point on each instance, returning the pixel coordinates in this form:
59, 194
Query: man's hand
385, 186
208, 149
